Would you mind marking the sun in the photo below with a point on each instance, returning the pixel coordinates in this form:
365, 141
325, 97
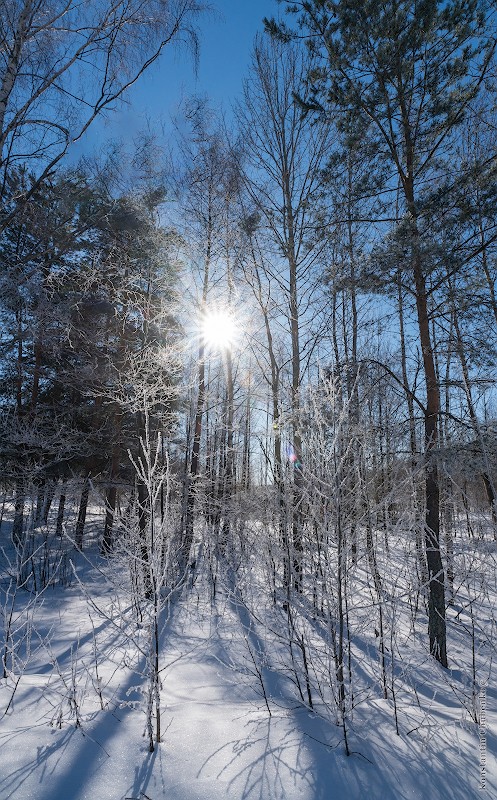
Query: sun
219, 330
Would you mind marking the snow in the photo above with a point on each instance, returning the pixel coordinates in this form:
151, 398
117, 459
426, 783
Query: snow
219, 741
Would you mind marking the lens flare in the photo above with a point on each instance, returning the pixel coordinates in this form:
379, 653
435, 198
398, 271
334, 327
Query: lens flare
219, 330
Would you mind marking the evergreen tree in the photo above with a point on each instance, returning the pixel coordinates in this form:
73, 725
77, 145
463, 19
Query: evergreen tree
406, 71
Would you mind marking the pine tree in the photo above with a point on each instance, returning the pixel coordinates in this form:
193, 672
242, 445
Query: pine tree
406, 71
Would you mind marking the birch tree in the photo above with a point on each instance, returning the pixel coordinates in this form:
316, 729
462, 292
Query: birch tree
284, 158
63, 63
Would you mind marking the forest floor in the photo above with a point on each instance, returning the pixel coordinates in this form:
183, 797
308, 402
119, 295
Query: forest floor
73, 721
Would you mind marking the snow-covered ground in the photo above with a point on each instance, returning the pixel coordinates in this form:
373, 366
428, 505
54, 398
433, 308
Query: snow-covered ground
72, 709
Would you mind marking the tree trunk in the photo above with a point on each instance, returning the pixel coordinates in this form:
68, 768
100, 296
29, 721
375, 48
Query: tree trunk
83, 505
18, 524
229, 476
111, 493
110, 508
420, 550
143, 518
437, 632
60, 513
194, 466
436, 577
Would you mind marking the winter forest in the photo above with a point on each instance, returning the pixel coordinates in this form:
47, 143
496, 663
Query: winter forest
248, 428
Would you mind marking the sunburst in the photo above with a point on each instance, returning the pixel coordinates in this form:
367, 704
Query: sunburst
219, 329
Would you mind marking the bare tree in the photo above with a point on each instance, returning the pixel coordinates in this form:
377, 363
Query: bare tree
207, 194
63, 63
284, 159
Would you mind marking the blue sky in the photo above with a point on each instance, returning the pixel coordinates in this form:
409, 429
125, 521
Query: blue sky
226, 38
